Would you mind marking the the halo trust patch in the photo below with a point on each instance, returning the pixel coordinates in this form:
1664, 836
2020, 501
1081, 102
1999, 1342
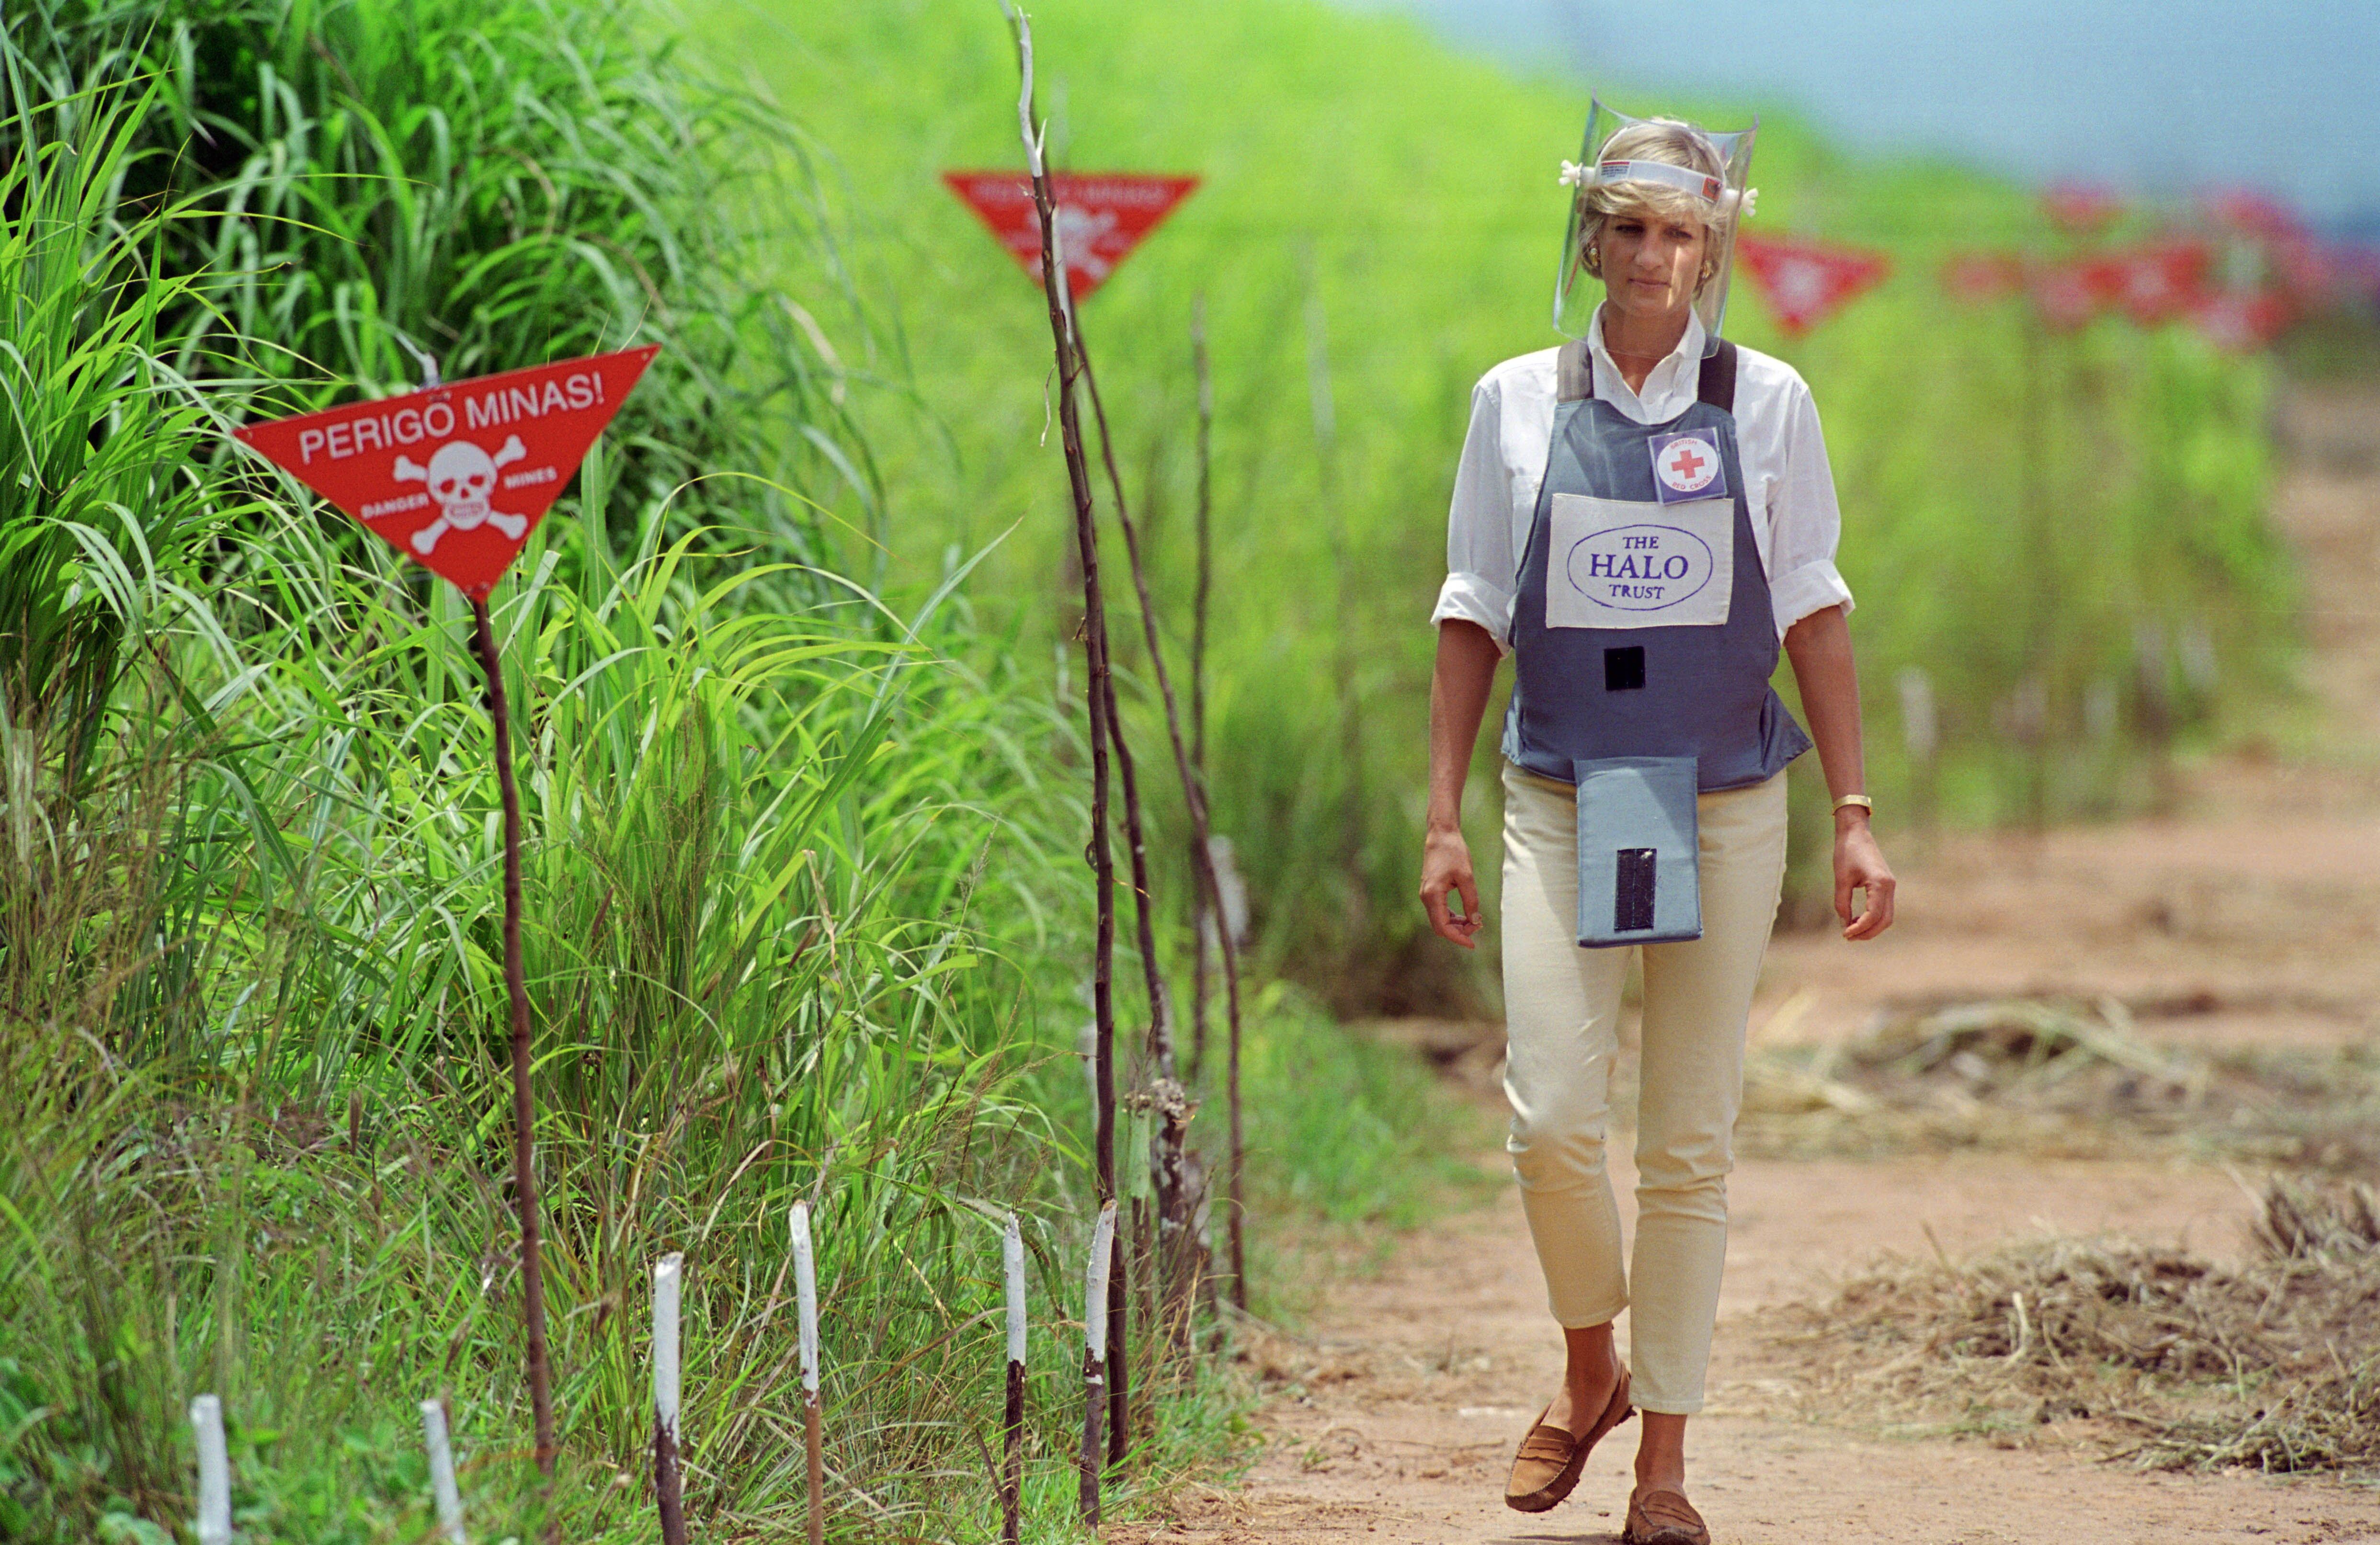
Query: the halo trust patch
1619, 564
1687, 466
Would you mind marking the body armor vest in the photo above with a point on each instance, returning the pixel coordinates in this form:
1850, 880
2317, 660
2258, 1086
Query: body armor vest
1643, 644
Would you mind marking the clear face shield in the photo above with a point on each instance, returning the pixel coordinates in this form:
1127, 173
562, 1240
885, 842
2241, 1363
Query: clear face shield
1668, 164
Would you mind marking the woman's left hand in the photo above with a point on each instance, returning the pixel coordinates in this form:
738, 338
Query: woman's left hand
1859, 865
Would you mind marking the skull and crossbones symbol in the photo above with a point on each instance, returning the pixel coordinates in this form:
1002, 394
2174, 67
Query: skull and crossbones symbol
461, 476
1079, 233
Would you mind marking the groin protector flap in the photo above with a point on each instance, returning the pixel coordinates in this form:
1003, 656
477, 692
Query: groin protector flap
1639, 863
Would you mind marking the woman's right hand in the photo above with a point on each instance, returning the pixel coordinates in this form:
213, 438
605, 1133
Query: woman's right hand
1459, 684
1446, 867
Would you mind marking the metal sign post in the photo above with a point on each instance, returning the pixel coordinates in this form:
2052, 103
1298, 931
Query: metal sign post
455, 477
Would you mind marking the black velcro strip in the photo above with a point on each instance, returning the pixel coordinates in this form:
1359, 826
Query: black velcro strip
1631, 889
1623, 669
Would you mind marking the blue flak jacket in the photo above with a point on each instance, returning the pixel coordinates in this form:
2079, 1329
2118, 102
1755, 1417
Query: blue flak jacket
1642, 643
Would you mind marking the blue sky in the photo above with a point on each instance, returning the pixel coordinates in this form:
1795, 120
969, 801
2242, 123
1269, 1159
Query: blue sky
2157, 97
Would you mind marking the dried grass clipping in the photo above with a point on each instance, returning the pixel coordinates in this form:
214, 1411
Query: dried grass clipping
2165, 1358
2056, 1079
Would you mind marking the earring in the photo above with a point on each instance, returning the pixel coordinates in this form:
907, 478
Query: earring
1594, 257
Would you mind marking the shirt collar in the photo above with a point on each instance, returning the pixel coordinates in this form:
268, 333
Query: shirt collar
1672, 384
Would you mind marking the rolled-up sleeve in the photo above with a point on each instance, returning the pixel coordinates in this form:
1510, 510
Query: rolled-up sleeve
1804, 523
1482, 572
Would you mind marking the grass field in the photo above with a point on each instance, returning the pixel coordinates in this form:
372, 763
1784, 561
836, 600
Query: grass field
1378, 225
802, 916
801, 749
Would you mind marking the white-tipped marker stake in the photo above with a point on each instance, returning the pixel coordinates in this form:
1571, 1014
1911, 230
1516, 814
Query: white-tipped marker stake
806, 1299
442, 1472
805, 1295
1012, 1484
1095, 1346
1012, 1265
669, 1275
214, 1471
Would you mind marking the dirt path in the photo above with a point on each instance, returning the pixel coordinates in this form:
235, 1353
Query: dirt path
1397, 1418
2251, 918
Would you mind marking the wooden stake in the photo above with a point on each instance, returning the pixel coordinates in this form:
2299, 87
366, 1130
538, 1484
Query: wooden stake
1166, 1163
1921, 741
1144, 1284
1094, 1338
1097, 690
1161, 1052
442, 1472
668, 1485
1347, 649
1200, 908
1186, 1254
1194, 798
1177, 1254
1012, 1483
813, 1425
214, 1471
2033, 710
541, 1379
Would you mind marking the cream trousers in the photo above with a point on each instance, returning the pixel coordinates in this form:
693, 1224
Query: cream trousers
1562, 1014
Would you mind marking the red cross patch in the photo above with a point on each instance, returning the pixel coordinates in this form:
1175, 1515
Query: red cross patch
1687, 466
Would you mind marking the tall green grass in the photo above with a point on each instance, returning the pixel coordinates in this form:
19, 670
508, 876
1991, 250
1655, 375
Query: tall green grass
759, 975
781, 945
101, 513
1378, 225
490, 184
805, 909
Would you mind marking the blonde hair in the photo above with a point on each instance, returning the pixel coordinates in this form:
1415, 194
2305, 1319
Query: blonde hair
1662, 139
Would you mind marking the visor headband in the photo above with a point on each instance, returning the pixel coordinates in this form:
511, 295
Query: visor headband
1685, 178
1709, 189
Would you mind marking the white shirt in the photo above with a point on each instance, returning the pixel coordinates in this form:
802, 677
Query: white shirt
1788, 485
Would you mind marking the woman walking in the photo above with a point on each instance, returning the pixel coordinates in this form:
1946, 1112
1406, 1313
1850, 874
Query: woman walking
1640, 517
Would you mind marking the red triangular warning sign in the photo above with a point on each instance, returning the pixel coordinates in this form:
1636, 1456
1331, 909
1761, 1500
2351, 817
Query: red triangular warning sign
1804, 282
2162, 281
1982, 276
2068, 293
2241, 321
2081, 208
456, 477
1101, 217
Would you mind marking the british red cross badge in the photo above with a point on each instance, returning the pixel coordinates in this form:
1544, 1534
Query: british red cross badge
1687, 466
456, 477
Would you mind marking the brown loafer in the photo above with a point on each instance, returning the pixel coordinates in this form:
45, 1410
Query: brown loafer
1547, 1468
1663, 1517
